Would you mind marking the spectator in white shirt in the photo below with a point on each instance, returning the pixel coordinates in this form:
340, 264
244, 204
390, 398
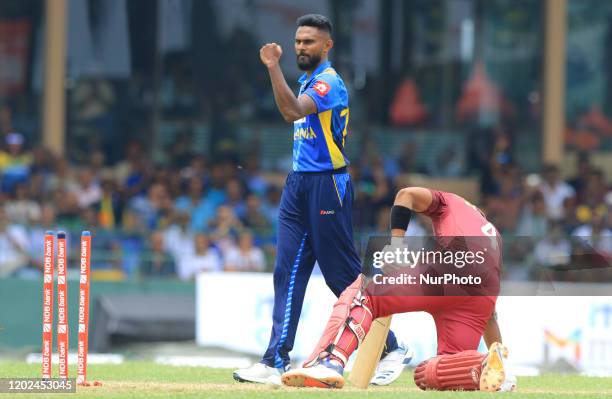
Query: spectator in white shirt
179, 238
554, 249
88, 191
13, 246
246, 257
555, 191
203, 259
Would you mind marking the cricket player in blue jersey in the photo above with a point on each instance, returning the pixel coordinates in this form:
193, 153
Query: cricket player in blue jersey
315, 209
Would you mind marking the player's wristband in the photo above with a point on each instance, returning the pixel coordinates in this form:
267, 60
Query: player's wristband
400, 217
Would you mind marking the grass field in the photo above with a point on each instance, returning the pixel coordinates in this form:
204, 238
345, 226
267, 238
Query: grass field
149, 380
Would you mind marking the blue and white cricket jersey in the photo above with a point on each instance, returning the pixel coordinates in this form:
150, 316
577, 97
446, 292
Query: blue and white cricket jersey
318, 139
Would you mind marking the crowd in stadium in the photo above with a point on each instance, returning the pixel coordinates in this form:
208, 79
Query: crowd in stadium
195, 215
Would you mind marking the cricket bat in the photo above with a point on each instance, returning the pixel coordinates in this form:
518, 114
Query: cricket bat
369, 353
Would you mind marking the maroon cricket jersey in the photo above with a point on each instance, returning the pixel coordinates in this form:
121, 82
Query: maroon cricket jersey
454, 216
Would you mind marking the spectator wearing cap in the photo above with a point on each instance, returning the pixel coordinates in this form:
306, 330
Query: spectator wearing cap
14, 162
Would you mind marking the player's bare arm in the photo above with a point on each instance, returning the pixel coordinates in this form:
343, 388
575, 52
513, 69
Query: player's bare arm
290, 107
408, 199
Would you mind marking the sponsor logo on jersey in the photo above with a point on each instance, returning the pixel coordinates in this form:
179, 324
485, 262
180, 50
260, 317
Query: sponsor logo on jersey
321, 87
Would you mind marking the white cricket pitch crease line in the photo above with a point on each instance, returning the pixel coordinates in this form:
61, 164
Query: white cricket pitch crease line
92, 358
204, 361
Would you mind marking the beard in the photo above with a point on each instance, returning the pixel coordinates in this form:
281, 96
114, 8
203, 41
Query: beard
308, 62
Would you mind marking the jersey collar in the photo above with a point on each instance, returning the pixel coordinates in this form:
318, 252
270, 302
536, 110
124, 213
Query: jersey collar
323, 66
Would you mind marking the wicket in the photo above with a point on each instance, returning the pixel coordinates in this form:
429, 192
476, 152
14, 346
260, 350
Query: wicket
62, 306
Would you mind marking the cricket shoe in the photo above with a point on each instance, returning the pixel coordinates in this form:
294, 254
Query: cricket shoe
259, 373
509, 384
325, 374
391, 366
493, 373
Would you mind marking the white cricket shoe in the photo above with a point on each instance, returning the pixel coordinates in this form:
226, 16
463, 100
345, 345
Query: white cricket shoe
391, 366
258, 373
324, 374
493, 374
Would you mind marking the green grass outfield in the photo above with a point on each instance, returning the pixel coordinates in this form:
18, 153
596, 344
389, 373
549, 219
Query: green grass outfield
149, 380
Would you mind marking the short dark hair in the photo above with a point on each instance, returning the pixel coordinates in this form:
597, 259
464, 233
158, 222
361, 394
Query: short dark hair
315, 20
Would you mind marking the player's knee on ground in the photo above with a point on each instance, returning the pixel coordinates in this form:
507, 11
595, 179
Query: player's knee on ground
459, 371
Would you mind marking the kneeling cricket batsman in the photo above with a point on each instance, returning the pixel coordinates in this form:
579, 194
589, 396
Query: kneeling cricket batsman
460, 320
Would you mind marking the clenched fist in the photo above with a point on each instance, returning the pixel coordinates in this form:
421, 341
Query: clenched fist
270, 54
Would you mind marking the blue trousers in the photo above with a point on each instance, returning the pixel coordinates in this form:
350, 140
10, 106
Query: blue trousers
314, 225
